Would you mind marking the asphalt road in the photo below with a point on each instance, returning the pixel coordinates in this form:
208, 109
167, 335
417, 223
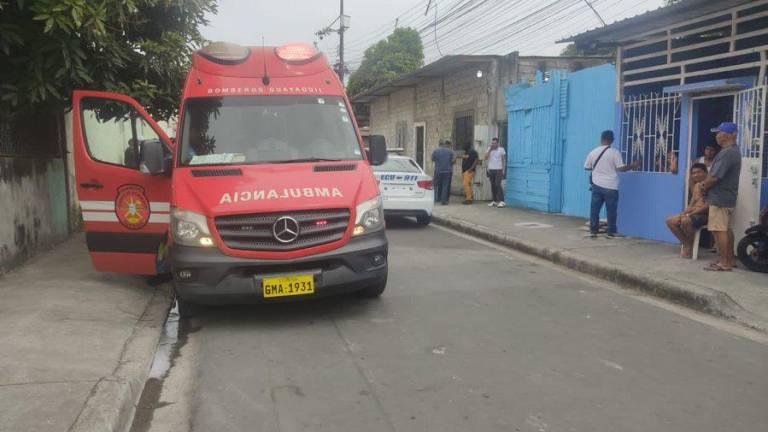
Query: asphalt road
467, 337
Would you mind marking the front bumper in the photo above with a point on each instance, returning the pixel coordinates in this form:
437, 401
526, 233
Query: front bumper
216, 278
409, 206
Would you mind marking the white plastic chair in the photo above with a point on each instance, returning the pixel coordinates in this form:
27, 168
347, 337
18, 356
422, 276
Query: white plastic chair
696, 241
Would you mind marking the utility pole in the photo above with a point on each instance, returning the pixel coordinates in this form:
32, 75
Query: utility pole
343, 26
341, 42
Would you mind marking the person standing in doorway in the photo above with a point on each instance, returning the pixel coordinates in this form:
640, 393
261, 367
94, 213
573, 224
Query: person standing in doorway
710, 151
605, 163
722, 187
443, 159
468, 165
497, 161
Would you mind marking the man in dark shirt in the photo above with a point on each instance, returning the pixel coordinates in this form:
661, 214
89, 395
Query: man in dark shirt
468, 165
722, 188
443, 159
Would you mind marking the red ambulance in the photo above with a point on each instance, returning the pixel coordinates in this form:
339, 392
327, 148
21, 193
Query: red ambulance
266, 192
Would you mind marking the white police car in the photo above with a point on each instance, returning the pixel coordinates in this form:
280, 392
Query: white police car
406, 189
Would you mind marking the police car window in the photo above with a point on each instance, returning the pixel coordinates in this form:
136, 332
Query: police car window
114, 131
263, 129
397, 165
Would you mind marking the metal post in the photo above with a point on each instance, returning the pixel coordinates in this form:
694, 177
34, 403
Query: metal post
341, 42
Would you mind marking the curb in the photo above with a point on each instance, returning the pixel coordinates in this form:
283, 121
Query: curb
112, 402
702, 299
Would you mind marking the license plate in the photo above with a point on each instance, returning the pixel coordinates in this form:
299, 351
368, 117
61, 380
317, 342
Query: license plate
284, 286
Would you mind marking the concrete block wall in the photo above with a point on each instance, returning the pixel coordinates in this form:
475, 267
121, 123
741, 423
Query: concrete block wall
34, 208
389, 111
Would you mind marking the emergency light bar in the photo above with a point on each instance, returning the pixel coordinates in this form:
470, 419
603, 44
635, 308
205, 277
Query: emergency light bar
225, 52
296, 53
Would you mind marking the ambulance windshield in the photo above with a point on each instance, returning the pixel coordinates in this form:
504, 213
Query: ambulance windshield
234, 130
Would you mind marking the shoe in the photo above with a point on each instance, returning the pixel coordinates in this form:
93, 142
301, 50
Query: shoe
467, 202
615, 235
445, 203
492, 204
593, 235
501, 204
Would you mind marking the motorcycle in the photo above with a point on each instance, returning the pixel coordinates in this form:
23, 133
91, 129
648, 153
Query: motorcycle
753, 248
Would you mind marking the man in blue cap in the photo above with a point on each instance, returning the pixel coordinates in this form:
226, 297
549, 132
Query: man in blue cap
722, 188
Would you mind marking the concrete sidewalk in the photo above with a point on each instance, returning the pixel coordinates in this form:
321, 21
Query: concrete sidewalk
75, 345
649, 266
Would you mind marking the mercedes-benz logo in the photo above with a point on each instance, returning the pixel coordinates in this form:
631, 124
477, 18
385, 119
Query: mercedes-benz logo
285, 229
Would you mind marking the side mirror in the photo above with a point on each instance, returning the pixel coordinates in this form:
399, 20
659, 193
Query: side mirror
377, 149
153, 160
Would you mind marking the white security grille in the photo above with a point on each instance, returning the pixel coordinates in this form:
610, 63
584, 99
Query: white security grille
748, 114
650, 127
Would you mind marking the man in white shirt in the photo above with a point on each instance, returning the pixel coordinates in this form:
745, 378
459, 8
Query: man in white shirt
605, 163
497, 160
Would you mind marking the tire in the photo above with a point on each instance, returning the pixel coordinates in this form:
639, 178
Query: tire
375, 289
424, 220
159, 279
186, 309
749, 261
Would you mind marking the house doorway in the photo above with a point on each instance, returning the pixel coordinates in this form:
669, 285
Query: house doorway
746, 108
419, 129
708, 113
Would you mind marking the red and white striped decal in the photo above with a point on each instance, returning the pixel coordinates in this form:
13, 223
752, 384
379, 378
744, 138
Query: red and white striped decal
104, 211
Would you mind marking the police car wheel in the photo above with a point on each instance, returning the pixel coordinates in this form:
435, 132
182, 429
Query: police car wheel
424, 220
375, 289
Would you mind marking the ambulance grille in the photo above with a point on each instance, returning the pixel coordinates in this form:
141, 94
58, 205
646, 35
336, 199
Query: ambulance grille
254, 231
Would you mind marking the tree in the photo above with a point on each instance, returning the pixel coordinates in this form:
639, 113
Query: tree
573, 50
138, 47
400, 53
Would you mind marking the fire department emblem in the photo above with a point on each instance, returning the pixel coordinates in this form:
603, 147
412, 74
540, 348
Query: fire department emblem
132, 207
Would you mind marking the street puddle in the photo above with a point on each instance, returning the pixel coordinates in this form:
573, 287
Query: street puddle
173, 338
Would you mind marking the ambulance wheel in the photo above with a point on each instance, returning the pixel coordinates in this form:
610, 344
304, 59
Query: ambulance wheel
375, 289
185, 308
423, 220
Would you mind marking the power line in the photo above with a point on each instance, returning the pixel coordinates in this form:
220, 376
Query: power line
585, 26
413, 19
509, 26
412, 12
449, 31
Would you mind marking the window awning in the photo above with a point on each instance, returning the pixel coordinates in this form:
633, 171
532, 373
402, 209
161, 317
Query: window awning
706, 87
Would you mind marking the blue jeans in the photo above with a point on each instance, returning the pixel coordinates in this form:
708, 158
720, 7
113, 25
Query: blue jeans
611, 199
442, 182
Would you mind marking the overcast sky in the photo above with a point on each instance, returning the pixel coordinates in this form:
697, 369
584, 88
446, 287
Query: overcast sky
496, 26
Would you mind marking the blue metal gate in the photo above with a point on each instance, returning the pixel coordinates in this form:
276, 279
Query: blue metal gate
536, 120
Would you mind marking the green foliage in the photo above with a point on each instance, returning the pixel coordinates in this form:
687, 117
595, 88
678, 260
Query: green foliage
400, 53
140, 47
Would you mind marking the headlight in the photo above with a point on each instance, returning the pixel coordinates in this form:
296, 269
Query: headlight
190, 228
370, 217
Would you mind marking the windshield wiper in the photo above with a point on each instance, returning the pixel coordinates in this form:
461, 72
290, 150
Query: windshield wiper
311, 159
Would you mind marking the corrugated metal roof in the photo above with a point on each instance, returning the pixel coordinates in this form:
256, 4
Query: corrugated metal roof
442, 67
656, 19
439, 68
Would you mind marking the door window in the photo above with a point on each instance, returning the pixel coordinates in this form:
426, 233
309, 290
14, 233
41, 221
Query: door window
114, 131
420, 146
